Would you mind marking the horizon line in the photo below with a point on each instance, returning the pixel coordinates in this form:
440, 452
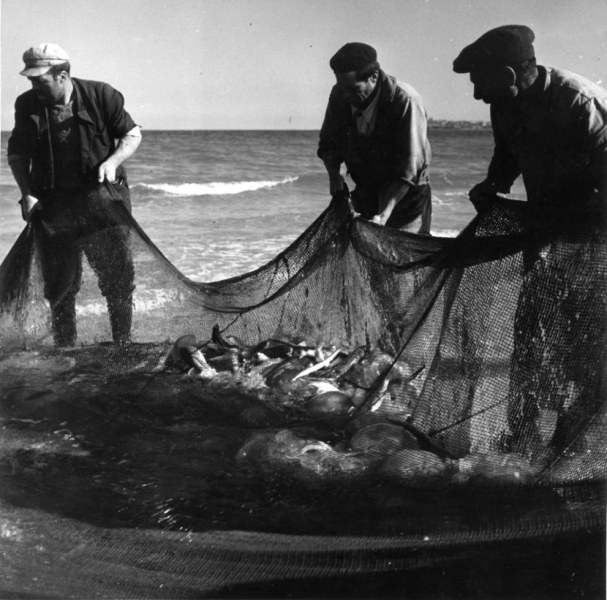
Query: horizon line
431, 122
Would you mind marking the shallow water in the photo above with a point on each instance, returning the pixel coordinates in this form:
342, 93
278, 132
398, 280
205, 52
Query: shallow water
223, 203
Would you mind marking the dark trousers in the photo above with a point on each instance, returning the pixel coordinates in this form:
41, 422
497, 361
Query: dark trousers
70, 225
413, 213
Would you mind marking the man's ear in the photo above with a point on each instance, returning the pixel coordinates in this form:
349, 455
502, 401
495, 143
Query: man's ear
508, 77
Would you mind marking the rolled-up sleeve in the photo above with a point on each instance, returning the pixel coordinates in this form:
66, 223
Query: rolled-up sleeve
118, 121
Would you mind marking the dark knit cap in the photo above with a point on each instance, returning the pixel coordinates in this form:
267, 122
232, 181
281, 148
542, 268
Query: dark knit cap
509, 45
354, 56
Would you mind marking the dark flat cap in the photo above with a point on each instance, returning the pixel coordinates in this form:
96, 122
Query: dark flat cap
509, 45
354, 56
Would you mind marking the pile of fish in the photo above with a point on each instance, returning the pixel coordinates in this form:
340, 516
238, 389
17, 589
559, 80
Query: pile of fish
348, 425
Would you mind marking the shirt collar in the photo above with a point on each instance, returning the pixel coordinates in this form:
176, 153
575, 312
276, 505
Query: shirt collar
372, 98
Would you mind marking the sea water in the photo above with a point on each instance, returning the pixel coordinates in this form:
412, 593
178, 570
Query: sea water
222, 203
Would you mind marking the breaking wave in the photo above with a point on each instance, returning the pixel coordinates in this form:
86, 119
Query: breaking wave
214, 188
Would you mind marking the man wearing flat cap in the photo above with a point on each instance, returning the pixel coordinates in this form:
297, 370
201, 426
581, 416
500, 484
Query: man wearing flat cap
550, 126
70, 139
377, 126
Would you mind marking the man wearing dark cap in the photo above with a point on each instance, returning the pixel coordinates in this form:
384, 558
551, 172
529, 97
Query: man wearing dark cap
70, 139
377, 126
550, 126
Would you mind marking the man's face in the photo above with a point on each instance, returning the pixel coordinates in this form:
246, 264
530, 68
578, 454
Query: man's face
491, 85
355, 92
49, 89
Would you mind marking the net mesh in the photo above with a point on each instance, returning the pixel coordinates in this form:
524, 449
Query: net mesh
369, 404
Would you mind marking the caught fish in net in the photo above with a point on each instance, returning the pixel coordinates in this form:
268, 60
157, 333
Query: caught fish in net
369, 405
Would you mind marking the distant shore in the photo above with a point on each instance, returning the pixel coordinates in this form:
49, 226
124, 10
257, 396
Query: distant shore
432, 124
445, 124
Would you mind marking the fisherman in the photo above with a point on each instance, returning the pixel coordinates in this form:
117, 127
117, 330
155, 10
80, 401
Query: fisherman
377, 126
550, 126
70, 139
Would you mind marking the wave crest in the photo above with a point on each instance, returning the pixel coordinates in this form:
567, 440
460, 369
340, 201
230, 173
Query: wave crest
214, 188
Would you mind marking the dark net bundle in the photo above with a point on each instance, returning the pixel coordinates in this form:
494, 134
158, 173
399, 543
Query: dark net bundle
372, 412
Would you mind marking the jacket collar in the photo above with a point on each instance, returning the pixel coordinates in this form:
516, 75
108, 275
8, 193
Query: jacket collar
387, 89
79, 105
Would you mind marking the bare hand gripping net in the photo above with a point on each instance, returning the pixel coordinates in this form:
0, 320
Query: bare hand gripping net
369, 407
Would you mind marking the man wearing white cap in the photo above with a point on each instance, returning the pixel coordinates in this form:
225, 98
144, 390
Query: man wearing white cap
70, 139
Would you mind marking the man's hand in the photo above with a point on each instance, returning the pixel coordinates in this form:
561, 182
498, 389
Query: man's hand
29, 205
388, 202
107, 170
125, 149
482, 192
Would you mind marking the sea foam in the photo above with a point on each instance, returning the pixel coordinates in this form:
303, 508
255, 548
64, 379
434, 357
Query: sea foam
214, 188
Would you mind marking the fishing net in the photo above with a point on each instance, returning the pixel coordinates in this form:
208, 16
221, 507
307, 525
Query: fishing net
372, 412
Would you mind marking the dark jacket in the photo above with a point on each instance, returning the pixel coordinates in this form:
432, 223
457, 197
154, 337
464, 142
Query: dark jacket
102, 120
555, 135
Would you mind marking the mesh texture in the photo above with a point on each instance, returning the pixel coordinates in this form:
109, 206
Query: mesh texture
475, 418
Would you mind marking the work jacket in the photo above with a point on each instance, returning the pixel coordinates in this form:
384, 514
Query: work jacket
396, 149
555, 135
101, 119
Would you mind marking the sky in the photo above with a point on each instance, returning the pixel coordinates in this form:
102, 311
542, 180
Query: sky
264, 64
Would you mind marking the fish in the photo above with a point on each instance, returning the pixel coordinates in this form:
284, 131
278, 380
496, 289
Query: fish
328, 403
178, 356
382, 439
285, 371
185, 355
493, 468
339, 370
271, 347
318, 366
226, 342
369, 368
425, 441
418, 469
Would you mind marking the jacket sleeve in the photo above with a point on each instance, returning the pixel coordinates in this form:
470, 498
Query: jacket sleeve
329, 146
22, 140
117, 119
412, 150
593, 126
503, 168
